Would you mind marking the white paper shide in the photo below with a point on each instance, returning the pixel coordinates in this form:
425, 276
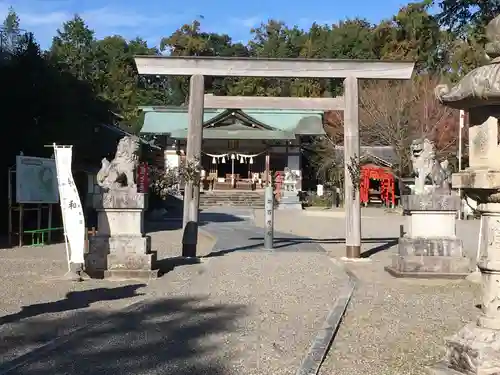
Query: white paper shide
71, 207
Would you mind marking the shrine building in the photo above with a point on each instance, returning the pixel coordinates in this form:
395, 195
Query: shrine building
240, 149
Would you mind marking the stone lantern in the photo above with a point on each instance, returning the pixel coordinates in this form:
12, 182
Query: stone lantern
475, 349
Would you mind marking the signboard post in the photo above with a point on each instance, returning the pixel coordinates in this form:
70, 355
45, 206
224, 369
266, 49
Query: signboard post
36, 180
269, 218
32, 187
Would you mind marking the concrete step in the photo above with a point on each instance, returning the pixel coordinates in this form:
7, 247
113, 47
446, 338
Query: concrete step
232, 198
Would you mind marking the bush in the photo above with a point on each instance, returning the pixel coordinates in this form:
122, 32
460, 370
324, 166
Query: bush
323, 201
313, 200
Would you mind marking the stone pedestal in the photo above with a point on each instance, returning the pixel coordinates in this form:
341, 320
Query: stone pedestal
289, 197
120, 249
430, 248
475, 349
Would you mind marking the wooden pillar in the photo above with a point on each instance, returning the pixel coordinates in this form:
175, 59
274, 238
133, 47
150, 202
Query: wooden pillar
351, 153
193, 150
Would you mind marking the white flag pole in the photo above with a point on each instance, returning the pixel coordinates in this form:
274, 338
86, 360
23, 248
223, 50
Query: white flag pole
64, 224
460, 127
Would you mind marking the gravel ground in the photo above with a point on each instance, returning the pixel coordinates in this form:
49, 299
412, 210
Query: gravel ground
392, 326
244, 312
287, 297
248, 313
37, 305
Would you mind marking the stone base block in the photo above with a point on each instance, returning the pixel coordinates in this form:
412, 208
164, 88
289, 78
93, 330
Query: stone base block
290, 202
108, 266
120, 222
430, 258
432, 264
472, 351
424, 246
430, 202
476, 179
137, 262
119, 244
119, 253
289, 206
120, 199
424, 275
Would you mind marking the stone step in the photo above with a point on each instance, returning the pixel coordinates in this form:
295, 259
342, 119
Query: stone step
232, 198
231, 205
229, 201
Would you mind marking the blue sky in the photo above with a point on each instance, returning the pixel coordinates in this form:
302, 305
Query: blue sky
153, 19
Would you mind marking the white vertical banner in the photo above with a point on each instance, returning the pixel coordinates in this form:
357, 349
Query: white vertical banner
71, 206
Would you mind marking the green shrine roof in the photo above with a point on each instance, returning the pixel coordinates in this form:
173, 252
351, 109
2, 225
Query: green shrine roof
235, 123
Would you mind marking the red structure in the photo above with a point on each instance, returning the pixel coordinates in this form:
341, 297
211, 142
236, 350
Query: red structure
143, 178
386, 185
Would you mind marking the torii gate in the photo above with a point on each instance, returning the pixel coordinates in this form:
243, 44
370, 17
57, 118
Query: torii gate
351, 70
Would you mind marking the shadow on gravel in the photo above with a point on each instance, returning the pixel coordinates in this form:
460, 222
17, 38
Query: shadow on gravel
169, 336
166, 265
281, 243
74, 301
174, 223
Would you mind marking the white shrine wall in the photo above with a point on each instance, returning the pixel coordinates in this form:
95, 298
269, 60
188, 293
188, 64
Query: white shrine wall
291, 153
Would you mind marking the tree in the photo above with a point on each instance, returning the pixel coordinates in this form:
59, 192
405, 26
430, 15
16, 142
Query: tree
11, 34
190, 40
463, 16
73, 49
116, 78
412, 34
465, 22
272, 39
433, 120
107, 65
351, 39
394, 114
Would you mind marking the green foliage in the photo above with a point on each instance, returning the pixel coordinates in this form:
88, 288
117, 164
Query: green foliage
412, 34
63, 94
462, 16
81, 80
316, 201
10, 38
107, 65
465, 22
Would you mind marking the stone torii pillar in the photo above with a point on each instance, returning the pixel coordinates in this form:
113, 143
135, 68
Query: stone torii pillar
193, 152
351, 169
352, 70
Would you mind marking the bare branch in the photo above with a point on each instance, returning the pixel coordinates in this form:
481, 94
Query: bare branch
394, 114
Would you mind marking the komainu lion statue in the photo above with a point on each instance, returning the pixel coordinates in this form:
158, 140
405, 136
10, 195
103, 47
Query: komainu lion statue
426, 167
120, 172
